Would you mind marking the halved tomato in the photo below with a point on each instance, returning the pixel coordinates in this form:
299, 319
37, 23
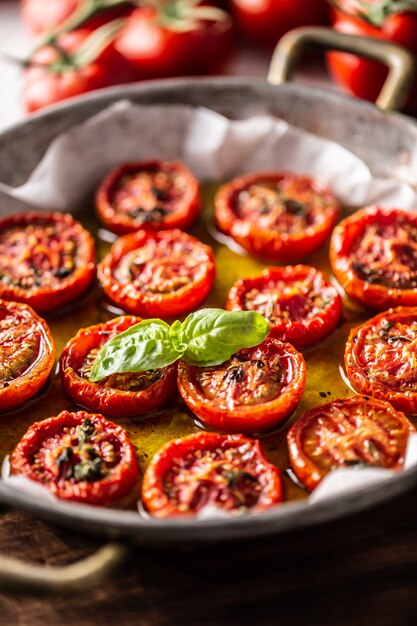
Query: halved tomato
347, 432
118, 395
27, 354
150, 194
297, 300
229, 472
157, 274
276, 215
254, 391
381, 358
46, 259
81, 457
373, 254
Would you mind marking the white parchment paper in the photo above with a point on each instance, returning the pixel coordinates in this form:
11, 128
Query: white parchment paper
212, 146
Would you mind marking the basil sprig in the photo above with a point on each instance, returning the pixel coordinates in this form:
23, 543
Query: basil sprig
207, 337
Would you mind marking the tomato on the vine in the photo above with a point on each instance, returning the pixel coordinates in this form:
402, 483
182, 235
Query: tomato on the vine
344, 433
157, 274
79, 457
297, 300
229, 472
118, 395
27, 354
381, 19
253, 392
46, 259
156, 195
381, 358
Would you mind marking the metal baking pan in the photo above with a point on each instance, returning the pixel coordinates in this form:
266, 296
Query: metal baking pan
378, 136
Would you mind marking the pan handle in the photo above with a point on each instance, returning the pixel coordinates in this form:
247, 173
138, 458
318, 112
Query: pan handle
400, 62
23, 578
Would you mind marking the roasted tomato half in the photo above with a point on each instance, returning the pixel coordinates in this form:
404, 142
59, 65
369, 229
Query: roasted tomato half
80, 457
373, 254
46, 259
253, 392
298, 302
118, 395
157, 274
225, 471
276, 215
151, 194
344, 433
27, 354
381, 358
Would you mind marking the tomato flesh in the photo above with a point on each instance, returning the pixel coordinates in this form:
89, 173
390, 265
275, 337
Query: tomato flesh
229, 472
353, 431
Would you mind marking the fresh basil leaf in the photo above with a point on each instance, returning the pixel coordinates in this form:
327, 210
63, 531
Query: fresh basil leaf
144, 346
213, 335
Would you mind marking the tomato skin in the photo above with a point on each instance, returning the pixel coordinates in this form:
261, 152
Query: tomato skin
365, 78
292, 325
17, 390
340, 433
186, 207
44, 86
117, 488
264, 22
344, 252
277, 244
160, 504
106, 399
158, 52
378, 364
140, 300
66, 289
233, 416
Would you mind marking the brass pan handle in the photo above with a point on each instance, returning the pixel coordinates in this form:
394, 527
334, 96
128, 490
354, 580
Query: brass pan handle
23, 578
401, 63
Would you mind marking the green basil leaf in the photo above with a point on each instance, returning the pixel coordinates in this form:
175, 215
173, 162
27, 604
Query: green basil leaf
213, 335
144, 346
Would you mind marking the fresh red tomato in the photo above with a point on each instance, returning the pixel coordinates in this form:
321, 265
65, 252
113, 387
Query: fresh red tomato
27, 354
79, 457
59, 72
46, 259
265, 21
157, 274
276, 215
150, 194
298, 302
384, 19
344, 433
373, 254
229, 472
253, 392
118, 395
42, 16
381, 358
176, 38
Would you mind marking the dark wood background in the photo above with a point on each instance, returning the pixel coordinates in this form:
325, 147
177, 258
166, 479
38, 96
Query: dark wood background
359, 570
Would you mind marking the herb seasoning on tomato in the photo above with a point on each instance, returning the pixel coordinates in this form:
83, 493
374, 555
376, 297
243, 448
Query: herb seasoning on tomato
118, 395
278, 216
150, 194
373, 254
157, 273
345, 433
81, 457
381, 358
46, 259
27, 354
229, 472
254, 391
298, 302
